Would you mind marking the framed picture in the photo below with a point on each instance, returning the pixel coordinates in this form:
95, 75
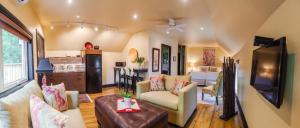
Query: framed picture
155, 59
40, 47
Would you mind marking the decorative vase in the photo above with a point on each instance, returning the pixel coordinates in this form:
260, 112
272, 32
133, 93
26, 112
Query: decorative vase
127, 102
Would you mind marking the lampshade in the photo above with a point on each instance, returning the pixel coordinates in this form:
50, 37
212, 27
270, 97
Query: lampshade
44, 66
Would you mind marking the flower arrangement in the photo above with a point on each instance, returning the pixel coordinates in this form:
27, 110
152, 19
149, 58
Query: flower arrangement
140, 60
125, 94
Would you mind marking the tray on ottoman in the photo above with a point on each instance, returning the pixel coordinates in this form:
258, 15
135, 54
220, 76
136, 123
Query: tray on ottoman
149, 116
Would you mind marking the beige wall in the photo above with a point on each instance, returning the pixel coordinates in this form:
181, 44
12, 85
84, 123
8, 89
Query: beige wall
144, 42
194, 54
73, 38
139, 41
156, 39
28, 17
258, 111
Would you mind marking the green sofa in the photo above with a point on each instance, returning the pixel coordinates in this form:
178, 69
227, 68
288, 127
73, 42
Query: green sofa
179, 108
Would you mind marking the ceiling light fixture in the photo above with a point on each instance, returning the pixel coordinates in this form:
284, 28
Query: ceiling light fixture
70, 1
135, 16
77, 17
168, 32
51, 27
96, 29
201, 28
68, 25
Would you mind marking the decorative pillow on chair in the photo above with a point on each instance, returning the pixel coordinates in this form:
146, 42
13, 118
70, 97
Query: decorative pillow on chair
44, 116
157, 83
178, 85
56, 96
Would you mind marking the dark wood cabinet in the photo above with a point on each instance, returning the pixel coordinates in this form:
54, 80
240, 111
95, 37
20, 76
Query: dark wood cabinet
74, 81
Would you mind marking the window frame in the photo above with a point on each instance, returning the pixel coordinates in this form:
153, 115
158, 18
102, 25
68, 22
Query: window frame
16, 27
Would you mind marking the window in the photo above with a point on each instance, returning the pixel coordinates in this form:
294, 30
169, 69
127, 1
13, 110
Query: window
14, 60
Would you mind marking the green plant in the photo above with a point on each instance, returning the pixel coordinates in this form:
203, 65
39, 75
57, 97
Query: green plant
140, 60
125, 94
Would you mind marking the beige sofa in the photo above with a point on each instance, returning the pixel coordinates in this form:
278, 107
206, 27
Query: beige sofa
180, 108
15, 112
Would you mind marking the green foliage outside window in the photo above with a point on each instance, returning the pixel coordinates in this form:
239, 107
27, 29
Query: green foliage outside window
12, 48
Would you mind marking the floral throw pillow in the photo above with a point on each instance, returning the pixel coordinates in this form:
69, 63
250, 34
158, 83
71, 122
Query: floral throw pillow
178, 85
56, 96
157, 84
44, 116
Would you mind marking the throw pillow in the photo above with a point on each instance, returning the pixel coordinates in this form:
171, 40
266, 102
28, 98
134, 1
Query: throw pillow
44, 116
213, 69
157, 84
178, 85
56, 96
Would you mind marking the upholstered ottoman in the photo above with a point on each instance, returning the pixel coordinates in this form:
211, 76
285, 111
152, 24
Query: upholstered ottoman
149, 117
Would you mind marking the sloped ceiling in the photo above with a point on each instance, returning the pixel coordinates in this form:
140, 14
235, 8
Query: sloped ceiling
228, 23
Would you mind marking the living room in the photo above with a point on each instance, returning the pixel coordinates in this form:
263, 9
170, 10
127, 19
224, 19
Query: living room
170, 58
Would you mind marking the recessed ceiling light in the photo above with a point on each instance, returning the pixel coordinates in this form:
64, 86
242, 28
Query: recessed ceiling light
70, 1
135, 16
201, 28
51, 27
168, 32
68, 25
96, 29
184, 1
77, 17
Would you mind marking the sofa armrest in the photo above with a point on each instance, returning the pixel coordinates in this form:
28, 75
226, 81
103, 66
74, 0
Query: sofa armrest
187, 101
73, 99
142, 87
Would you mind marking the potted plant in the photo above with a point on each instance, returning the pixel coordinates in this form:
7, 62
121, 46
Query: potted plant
140, 61
127, 99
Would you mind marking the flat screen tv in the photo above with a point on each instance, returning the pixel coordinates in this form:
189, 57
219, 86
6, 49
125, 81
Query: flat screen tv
269, 71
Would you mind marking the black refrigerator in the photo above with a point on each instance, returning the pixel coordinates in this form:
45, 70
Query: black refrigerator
93, 73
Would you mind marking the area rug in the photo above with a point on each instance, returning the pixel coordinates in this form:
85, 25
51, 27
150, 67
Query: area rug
84, 98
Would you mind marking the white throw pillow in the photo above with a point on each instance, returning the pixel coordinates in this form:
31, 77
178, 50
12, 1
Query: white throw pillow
44, 116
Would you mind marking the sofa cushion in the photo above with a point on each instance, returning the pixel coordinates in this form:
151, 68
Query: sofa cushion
162, 98
56, 96
170, 80
15, 106
44, 116
76, 120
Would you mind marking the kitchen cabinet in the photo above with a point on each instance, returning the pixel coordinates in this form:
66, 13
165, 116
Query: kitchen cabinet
74, 81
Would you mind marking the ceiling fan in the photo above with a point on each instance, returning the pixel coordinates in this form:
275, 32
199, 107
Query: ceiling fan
171, 24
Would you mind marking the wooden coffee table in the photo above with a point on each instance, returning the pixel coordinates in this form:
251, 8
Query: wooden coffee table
149, 117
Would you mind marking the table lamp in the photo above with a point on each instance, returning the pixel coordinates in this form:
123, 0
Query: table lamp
44, 67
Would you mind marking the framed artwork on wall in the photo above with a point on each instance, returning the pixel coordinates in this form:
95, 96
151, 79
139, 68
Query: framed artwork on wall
209, 57
40, 46
155, 59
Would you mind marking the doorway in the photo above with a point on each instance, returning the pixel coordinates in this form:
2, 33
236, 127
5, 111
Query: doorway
165, 59
181, 60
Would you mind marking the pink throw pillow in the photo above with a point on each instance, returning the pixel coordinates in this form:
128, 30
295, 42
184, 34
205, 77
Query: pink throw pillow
157, 84
56, 96
44, 116
178, 85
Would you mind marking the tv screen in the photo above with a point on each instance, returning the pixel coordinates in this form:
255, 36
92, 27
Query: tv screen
268, 71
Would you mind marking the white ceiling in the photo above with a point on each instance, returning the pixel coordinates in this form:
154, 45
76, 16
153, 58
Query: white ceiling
229, 23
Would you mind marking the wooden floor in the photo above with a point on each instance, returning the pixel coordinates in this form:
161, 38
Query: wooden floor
206, 116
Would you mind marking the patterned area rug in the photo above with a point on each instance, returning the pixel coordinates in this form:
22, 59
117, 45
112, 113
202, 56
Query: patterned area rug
84, 98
